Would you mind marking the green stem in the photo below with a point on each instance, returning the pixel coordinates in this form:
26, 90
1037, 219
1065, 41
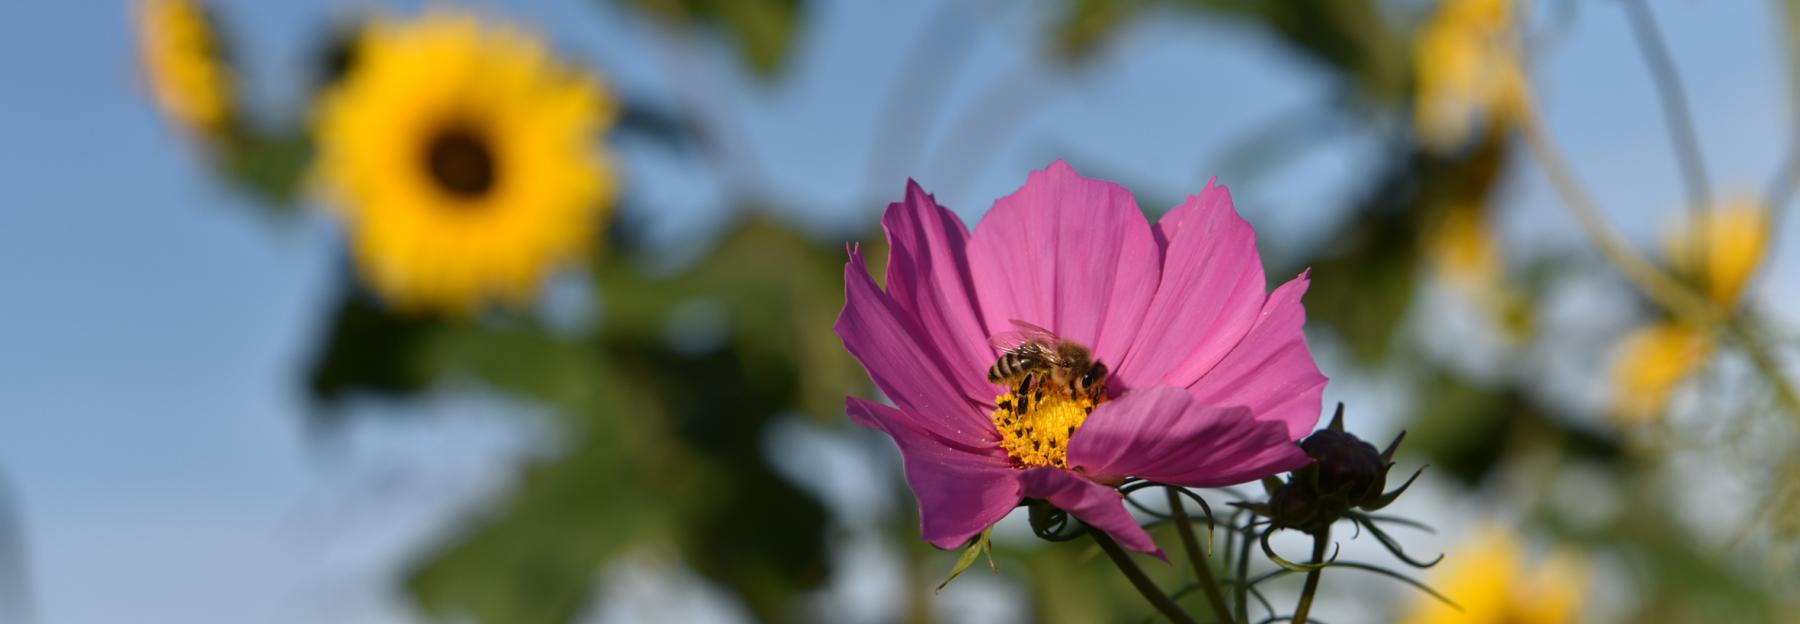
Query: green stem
1140, 580
1243, 571
1644, 275
1649, 279
1202, 566
1312, 576
1766, 365
1681, 132
1781, 189
1674, 101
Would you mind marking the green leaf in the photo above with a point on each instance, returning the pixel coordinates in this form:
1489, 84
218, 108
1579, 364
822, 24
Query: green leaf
779, 291
269, 165
976, 548
518, 358
662, 439
1086, 25
369, 350
1467, 427
533, 557
763, 30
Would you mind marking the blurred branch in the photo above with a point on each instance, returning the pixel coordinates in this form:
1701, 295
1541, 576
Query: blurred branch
1766, 510
1547, 37
761, 31
1279, 139
1674, 101
1766, 364
1644, 275
1652, 281
1681, 128
15, 583
1781, 189
726, 147
982, 129
939, 53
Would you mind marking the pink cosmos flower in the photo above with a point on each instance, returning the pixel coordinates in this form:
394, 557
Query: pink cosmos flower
1211, 381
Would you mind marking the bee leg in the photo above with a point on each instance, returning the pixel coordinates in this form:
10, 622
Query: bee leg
1025, 393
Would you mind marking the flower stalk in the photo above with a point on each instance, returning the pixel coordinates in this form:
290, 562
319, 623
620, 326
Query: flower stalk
1242, 585
1140, 580
1202, 567
1312, 576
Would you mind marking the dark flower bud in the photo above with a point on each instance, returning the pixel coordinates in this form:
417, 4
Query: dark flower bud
1346, 474
1345, 464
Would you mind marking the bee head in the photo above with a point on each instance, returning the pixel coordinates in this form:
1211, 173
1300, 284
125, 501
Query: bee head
1092, 378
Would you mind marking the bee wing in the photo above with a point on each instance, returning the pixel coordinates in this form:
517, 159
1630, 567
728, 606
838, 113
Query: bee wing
1036, 333
1027, 339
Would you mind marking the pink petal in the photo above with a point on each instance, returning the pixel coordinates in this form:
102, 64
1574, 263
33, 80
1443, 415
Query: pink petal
928, 278
1069, 253
960, 492
1271, 371
893, 350
1099, 506
1163, 434
1212, 285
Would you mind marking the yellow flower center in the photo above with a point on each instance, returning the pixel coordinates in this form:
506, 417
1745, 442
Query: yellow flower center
1035, 422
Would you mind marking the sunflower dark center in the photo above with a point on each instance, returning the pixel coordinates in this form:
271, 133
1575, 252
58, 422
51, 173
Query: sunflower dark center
461, 162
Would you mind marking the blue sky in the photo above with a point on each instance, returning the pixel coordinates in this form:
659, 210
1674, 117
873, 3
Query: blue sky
153, 330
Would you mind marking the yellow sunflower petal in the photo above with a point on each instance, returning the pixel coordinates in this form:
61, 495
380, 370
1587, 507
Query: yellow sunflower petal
1487, 577
1478, 575
1463, 248
1650, 363
1731, 239
180, 56
1552, 593
462, 157
1466, 70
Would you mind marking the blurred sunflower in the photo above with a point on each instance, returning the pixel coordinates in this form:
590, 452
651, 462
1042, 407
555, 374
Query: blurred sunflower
1467, 72
1718, 253
1651, 361
1463, 249
1722, 250
184, 66
461, 157
1465, 255
1487, 577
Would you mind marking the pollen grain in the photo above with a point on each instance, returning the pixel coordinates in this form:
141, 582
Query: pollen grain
1035, 423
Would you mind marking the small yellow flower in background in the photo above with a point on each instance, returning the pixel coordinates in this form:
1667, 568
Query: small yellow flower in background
1488, 578
183, 66
1463, 248
1732, 239
1466, 68
464, 159
1721, 252
1464, 253
1651, 362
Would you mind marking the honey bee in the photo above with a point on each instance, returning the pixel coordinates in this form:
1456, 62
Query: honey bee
1033, 355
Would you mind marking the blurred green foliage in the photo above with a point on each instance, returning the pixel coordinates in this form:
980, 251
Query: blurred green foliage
664, 404
764, 31
664, 439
